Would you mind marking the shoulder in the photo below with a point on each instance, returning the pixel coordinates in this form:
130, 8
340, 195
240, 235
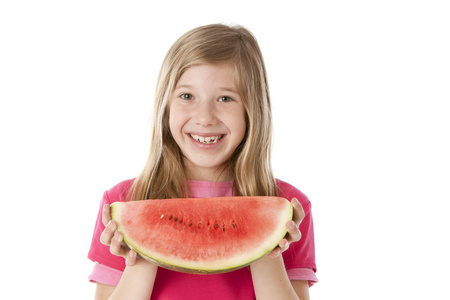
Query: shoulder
118, 192
289, 191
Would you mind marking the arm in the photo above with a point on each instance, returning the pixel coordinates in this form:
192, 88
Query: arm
271, 282
136, 282
103, 291
269, 275
270, 279
139, 275
301, 288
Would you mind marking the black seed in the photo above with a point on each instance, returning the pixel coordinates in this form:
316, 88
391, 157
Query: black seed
180, 222
176, 219
170, 218
217, 225
234, 225
190, 225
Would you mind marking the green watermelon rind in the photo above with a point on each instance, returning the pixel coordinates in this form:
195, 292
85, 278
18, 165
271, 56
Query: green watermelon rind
197, 268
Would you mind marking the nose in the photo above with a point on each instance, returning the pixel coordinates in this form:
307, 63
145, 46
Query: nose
205, 113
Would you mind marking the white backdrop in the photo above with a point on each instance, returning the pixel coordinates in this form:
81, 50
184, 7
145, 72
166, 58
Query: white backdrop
360, 93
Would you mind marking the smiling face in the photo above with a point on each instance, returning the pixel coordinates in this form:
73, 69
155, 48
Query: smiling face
207, 119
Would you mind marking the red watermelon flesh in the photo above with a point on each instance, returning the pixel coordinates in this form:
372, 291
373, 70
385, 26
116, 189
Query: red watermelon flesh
203, 235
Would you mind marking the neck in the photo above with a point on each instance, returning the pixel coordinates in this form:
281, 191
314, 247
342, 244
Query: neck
208, 174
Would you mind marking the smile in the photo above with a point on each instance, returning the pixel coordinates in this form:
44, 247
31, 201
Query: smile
207, 139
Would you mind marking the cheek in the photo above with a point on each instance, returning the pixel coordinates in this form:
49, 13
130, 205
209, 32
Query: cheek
239, 126
173, 123
243, 129
177, 120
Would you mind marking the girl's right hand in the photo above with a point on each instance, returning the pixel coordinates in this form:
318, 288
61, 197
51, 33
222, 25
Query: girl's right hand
114, 239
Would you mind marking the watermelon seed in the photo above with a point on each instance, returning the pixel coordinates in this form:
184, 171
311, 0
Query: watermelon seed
162, 216
180, 221
170, 218
176, 219
190, 225
217, 225
234, 225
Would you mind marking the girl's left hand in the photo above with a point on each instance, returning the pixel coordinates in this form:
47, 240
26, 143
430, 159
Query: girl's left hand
293, 232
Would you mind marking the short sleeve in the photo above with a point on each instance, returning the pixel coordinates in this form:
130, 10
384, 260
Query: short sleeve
300, 259
98, 252
106, 275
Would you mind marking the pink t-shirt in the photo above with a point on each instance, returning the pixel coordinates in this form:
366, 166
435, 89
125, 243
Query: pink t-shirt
299, 259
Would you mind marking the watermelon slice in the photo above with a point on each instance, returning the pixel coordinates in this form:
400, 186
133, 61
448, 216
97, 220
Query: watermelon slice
203, 235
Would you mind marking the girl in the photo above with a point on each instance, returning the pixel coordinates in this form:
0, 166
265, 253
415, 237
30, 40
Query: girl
211, 137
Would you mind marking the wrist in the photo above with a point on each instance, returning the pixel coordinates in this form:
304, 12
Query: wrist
137, 281
270, 279
142, 264
267, 260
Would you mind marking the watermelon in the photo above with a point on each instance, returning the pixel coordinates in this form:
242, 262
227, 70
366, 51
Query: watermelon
203, 235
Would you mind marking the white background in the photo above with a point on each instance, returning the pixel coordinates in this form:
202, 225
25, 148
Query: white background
360, 93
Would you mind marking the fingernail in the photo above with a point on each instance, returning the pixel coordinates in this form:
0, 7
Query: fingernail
277, 252
110, 225
292, 225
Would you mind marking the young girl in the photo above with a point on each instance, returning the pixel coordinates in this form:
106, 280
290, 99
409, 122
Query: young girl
211, 137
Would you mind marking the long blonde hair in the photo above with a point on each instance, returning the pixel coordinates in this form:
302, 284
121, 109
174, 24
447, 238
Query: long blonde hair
163, 175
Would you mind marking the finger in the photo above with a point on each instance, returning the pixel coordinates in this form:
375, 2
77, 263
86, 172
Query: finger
106, 214
108, 233
294, 233
275, 252
131, 258
116, 245
299, 213
284, 245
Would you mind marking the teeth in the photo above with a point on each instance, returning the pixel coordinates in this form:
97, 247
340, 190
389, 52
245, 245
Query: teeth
206, 140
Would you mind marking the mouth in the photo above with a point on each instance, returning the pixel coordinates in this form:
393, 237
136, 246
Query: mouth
207, 140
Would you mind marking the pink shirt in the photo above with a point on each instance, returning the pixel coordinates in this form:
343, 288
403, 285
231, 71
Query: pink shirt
299, 259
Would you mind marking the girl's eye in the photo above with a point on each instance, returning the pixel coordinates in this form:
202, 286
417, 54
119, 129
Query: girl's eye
187, 96
225, 99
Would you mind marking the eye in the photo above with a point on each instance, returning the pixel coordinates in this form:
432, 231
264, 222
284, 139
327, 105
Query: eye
225, 99
186, 96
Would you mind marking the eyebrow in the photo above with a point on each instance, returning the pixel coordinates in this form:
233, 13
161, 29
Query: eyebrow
229, 89
183, 86
226, 89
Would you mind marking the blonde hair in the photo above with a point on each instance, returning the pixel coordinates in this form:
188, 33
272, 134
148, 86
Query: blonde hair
163, 175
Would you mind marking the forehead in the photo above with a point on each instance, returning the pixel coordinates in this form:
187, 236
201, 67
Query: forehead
212, 74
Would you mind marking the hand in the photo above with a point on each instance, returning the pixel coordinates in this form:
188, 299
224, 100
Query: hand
292, 226
114, 239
